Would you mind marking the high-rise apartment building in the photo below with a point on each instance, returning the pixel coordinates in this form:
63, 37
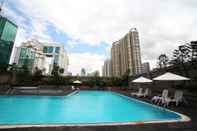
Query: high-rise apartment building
83, 72
106, 71
42, 55
8, 32
125, 54
145, 67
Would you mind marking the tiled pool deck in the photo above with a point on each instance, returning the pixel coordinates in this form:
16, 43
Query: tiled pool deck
188, 110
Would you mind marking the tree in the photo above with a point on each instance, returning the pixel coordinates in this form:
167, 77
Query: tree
181, 56
57, 79
192, 47
3, 68
13, 69
37, 75
96, 73
125, 78
163, 61
37, 72
61, 70
55, 71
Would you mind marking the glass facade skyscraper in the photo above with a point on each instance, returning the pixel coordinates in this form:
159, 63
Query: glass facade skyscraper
8, 32
27, 58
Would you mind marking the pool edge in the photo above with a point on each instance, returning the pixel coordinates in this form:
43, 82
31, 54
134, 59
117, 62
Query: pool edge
184, 118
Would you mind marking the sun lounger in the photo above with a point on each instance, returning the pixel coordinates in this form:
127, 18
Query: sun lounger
145, 94
72, 87
160, 99
137, 93
178, 97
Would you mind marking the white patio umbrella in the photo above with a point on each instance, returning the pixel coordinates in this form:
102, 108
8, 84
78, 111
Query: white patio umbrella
170, 77
77, 82
142, 80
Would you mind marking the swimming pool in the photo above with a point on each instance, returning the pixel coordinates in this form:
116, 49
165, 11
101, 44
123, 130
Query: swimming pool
83, 108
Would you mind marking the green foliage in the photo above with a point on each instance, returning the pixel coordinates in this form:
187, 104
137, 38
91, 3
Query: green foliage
56, 79
3, 68
185, 55
125, 78
61, 70
163, 61
55, 71
37, 75
182, 54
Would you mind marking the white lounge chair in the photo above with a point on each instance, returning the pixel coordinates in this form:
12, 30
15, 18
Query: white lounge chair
178, 97
137, 93
145, 94
72, 87
160, 99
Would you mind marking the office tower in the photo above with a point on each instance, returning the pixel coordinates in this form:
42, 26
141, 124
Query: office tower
42, 55
57, 55
125, 54
83, 72
8, 32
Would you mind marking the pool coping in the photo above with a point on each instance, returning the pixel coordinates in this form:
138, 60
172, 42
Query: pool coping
184, 118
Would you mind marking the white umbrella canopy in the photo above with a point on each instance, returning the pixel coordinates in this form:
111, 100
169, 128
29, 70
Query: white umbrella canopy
142, 80
170, 77
77, 82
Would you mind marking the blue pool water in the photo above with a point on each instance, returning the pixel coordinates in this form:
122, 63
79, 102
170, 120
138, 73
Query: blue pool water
81, 108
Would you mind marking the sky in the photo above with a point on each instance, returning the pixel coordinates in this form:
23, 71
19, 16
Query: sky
87, 28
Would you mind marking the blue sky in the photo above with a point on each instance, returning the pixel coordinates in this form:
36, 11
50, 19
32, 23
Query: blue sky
87, 28
58, 36
52, 34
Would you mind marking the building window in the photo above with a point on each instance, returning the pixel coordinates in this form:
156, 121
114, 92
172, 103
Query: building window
48, 49
57, 50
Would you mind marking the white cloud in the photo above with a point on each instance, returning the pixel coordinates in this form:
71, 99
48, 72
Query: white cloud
161, 24
72, 43
89, 61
